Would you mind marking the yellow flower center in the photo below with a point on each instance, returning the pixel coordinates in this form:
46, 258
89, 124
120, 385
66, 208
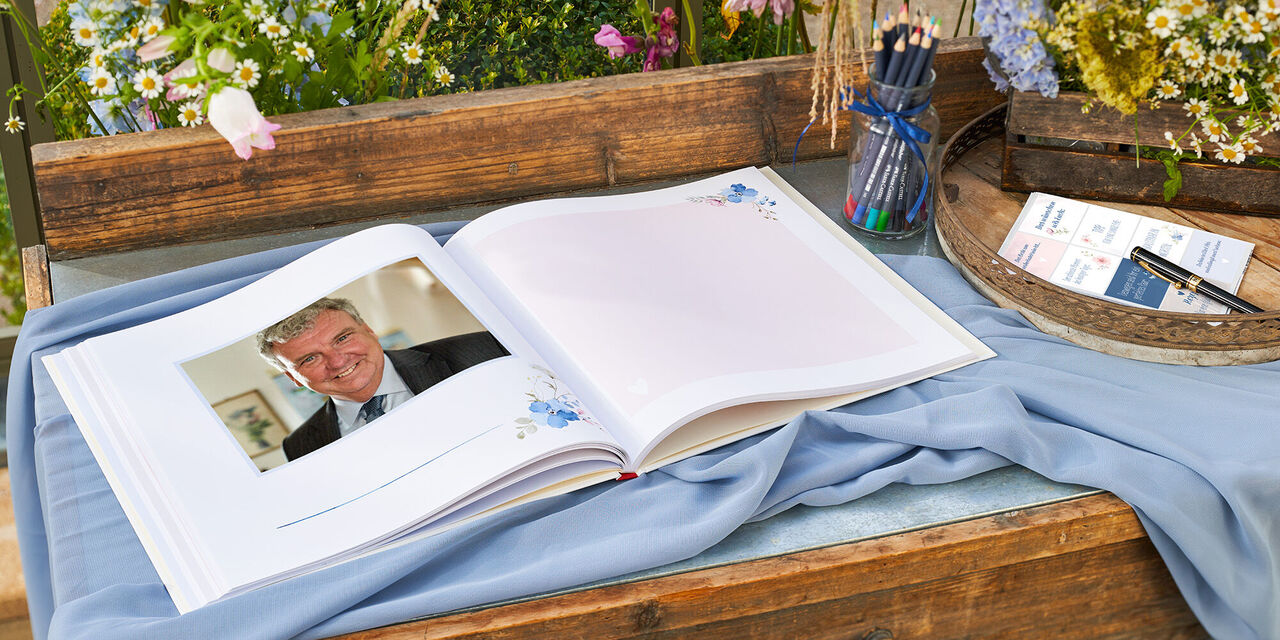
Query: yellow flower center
1215, 129
302, 51
1186, 9
100, 82
1162, 22
152, 29
86, 33
1237, 90
189, 114
1255, 27
1229, 153
1220, 60
148, 83
246, 74
273, 28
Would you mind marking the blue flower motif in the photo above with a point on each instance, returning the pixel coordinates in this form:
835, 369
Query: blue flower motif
552, 413
737, 191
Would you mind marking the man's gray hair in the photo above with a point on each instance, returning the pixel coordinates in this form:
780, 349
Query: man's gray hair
297, 324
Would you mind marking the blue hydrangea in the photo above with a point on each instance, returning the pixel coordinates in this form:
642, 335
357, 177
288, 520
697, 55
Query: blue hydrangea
1025, 64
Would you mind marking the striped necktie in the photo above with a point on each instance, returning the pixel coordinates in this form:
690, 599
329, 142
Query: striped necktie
372, 409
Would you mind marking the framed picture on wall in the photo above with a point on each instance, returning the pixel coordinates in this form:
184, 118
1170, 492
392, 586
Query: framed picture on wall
250, 419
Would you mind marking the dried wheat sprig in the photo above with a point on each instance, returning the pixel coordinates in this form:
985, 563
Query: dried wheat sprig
834, 59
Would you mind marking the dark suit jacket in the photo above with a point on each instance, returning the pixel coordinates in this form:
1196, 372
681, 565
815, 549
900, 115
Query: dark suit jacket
420, 367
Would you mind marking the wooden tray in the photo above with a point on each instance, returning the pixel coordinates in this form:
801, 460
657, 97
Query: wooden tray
974, 215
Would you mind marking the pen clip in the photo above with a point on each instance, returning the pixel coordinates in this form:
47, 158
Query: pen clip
1144, 265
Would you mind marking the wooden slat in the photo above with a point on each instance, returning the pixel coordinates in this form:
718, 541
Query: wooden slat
1080, 568
35, 277
1034, 115
1233, 189
393, 159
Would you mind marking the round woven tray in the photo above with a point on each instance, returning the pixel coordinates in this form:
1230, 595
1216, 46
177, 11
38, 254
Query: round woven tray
1156, 336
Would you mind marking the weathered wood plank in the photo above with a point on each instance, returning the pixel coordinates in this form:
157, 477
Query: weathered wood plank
393, 159
1034, 115
1083, 566
35, 277
1234, 189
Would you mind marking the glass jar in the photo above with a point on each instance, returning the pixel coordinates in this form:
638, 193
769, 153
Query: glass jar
886, 176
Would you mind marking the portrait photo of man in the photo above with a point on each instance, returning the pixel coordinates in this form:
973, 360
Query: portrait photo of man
327, 347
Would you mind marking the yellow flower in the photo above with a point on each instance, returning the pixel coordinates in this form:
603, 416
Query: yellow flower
1118, 73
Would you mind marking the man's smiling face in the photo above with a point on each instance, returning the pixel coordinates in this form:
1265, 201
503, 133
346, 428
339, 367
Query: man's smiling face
337, 356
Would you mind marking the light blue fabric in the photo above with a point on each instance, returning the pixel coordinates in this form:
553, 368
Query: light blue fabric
1204, 477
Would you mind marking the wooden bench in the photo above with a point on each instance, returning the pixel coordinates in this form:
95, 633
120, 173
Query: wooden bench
1082, 567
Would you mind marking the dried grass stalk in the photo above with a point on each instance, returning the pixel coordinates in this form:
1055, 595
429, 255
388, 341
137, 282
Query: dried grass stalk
837, 51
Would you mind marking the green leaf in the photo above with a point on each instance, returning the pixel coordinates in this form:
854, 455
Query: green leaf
1174, 183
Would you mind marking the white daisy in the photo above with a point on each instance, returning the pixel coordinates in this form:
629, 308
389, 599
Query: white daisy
1162, 22
247, 73
1186, 9
1197, 145
1214, 130
1250, 146
1168, 90
412, 53
273, 29
189, 114
1252, 29
1220, 60
148, 83
85, 33
1269, 80
102, 83
98, 59
1173, 144
1238, 92
1196, 108
1193, 55
255, 10
14, 125
151, 28
303, 52
443, 77
1230, 153
1201, 8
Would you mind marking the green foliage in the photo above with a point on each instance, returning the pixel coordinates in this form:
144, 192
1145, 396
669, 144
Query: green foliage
491, 44
11, 288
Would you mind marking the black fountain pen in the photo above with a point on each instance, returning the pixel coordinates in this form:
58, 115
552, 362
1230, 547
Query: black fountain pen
1179, 278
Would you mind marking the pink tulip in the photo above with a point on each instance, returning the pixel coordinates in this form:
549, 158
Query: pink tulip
157, 48
618, 45
234, 115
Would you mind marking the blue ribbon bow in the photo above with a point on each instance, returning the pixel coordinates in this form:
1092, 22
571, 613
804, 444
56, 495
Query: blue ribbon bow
908, 132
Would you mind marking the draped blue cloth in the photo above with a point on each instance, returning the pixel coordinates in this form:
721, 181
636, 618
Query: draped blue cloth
1196, 451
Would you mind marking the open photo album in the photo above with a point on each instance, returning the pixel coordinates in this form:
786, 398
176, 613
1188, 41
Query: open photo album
384, 387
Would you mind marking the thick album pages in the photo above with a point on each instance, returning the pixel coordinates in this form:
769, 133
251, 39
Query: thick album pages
383, 387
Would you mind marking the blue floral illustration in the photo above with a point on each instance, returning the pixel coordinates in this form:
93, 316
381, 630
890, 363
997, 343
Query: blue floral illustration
552, 413
549, 406
738, 193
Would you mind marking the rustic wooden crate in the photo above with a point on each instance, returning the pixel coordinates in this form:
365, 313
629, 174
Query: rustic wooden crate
1111, 172
395, 159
